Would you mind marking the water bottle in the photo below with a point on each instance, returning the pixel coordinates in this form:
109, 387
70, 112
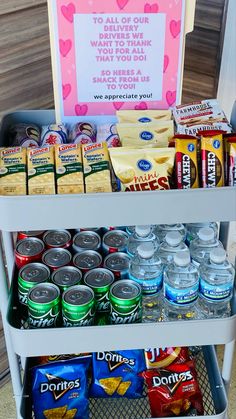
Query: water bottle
216, 285
180, 289
194, 228
172, 244
201, 247
142, 234
162, 230
147, 270
130, 230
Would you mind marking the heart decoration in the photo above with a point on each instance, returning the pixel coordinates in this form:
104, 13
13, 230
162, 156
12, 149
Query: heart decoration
65, 47
141, 107
166, 62
171, 97
66, 90
81, 110
68, 12
175, 28
151, 8
118, 105
122, 3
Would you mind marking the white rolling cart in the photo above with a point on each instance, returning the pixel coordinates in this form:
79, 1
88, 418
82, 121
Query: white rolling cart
53, 212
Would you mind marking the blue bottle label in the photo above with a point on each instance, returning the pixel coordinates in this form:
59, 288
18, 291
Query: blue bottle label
181, 296
149, 286
215, 292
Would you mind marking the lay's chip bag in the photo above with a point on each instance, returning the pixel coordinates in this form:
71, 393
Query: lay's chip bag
115, 374
60, 389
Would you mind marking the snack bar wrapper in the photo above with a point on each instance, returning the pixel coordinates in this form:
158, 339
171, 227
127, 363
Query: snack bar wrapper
108, 133
143, 116
156, 134
143, 169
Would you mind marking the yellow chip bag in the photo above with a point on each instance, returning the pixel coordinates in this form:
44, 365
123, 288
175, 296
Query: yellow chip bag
110, 385
143, 116
143, 169
156, 134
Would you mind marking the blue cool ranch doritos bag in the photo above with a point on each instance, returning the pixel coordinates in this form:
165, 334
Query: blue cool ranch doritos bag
115, 374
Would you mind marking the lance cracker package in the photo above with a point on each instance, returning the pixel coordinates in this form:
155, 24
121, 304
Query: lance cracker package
13, 171
116, 374
212, 153
143, 116
156, 134
97, 173
143, 169
41, 167
186, 162
69, 169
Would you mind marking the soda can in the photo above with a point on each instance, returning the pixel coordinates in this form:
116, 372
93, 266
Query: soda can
66, 277
57, 238
43, 306
78, 306
28, 234
126, 302
28, 250
29, 276
115, 241
130, 230
102, 319
83, 133
54, 134
97, 230
87, 260
86, 240
24, 135
100, 280
56, 258
106, 229
118, 263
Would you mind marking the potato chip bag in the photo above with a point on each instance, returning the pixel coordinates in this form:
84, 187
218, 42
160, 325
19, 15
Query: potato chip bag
155, 134
116, 374
163, 357
143, 169
60, 389
143, 116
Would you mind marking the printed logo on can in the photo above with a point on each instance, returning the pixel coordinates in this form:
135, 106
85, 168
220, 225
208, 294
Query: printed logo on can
144, 165
146, 136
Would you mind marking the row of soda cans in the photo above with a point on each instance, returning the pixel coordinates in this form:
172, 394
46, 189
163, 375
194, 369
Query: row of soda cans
56, 288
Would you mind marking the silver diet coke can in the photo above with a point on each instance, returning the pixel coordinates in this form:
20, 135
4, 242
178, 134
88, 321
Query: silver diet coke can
115, 241
86, 240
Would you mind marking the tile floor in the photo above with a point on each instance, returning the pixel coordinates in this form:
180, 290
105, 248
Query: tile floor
7, 406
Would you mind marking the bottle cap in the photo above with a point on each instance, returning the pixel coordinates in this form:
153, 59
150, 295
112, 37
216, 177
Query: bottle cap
143, 231
173, 238
218, 255
206, 234
146, 250
182, 258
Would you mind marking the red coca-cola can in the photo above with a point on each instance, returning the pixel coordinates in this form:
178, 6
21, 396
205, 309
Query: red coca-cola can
57, 258
29, 234
28, 250
57, 238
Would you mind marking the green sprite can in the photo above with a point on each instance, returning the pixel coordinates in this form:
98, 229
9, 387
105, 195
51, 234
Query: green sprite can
126, 302
100, 280
78, 306
66, 277
43, 306
29, 276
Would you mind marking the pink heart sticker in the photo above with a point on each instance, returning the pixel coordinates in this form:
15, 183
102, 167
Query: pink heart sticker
65, 47
151, 8
68, 12
122, 3
81, 110
66, 90
141, 107
166, 62
175, 28
118, 105
171, 97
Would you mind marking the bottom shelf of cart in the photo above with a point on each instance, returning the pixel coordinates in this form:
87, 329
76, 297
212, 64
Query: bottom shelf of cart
214, 396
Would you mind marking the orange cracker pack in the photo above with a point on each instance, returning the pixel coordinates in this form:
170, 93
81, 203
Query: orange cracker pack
143, 169
186, 162
212, 153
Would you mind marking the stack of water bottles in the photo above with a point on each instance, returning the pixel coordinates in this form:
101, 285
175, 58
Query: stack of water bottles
183, 271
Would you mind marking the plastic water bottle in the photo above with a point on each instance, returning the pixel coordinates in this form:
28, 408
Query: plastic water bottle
147, 270
216, 285
194, 228
172, 244
142, 234
201, 247
180, 289
162, 230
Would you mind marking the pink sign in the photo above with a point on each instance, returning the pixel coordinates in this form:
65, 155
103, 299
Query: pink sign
116, 54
